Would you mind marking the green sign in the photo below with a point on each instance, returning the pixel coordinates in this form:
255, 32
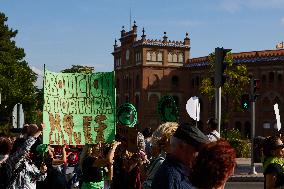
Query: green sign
79, 108
127, 115
168, 110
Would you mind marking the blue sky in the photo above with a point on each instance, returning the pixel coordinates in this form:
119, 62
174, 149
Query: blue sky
61, 33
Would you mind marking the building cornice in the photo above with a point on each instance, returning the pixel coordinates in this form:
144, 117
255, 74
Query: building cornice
243, 57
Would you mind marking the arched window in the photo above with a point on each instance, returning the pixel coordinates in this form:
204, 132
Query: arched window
160, 57
271, 77
154, 57
137, 82
153, 103
247, 129
197, 81
170, 57
175, 81
137, 99
130, 83
192, 82
180, 57
175, 58
279, 78
148, 56
238, 126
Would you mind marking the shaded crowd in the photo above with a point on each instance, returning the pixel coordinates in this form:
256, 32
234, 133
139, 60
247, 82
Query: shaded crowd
174, 156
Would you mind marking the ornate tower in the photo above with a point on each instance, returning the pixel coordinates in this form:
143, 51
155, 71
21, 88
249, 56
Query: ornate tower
148, 69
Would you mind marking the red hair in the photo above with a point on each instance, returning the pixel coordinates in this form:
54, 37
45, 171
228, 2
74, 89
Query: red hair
214, 164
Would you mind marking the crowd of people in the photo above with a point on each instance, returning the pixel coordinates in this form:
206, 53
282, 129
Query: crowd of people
174, 156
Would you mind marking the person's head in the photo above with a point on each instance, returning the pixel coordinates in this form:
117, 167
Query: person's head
147, 132
5, 148
19, 142
187, 142
212, 123
161, 137
214, 164
95, 150
273, 147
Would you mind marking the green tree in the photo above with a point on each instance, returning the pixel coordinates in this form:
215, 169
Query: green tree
16, 77
236, 82
78, 69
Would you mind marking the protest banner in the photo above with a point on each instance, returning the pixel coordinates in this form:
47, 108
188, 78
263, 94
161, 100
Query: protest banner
167, 109
127, 115
79, 108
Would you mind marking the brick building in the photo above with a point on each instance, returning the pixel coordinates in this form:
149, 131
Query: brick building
148, 69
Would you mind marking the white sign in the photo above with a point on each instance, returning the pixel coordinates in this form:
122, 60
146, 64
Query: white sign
276, 111
193, 108
15, 116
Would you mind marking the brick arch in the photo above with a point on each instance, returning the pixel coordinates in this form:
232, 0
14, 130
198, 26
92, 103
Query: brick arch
154, 81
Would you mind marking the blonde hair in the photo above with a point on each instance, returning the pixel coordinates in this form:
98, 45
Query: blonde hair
163, 133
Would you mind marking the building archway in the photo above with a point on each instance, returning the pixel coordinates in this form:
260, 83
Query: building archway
238, 126
247, 130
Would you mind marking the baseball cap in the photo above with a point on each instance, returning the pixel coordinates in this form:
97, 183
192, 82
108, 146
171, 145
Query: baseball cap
190, 134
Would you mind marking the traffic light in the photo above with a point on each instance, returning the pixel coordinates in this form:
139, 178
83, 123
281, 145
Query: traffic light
245, 102
220, 66
255, 86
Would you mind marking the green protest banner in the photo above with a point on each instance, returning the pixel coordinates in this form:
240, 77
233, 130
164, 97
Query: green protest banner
79, 108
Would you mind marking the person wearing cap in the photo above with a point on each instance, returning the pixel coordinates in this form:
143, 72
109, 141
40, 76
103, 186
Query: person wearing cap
273, 164
185, 145
213, 135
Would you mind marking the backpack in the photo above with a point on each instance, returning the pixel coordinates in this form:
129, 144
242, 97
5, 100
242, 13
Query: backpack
5, 175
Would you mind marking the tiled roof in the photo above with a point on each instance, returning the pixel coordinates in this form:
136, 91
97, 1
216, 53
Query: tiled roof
244, 57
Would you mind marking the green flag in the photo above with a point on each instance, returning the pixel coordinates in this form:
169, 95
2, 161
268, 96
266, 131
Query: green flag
79, 108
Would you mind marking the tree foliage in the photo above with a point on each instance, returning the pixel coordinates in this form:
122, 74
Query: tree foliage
78, 69
16, 77
236, 82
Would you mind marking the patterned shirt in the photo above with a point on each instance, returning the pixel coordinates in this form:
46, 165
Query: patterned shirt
172, 174
25, 173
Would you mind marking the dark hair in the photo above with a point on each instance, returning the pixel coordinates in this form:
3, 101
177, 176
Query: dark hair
19, 142
5, 145
147, 132
213, 123
214, 164
270, 144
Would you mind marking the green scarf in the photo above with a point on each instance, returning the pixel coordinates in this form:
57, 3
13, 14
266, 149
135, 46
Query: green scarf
93, 185
271, 160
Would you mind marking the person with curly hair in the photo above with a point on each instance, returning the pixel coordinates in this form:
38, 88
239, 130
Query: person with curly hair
214, 164
273, 164
160, 147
